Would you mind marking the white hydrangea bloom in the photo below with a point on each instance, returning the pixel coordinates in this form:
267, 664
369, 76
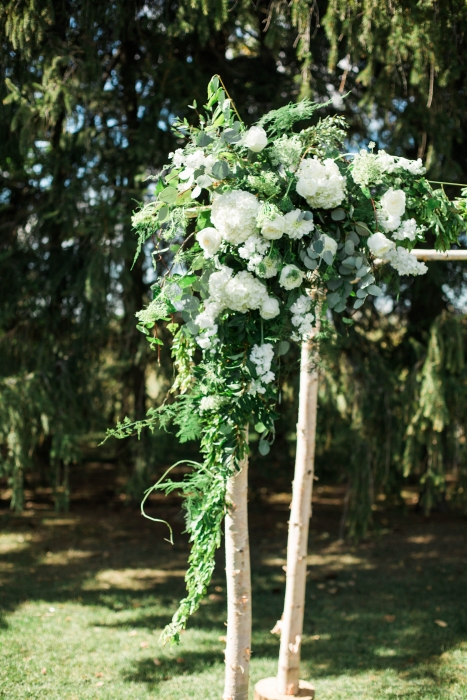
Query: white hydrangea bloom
253, 246
261, 356
218, 281
195, 160
321, 184
244, 292
388, 223
405, 263
234, 215
296, 227
390, 163
407, 230
291, 277
302, 318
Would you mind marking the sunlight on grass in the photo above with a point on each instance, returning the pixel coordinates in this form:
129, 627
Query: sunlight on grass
84, 608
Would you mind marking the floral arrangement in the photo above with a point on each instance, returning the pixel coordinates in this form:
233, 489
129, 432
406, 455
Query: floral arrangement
267, 228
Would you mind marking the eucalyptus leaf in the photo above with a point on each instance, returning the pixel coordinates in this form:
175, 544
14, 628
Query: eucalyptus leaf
163, 214
260, 427
310, 264
338, 214
349, 262
358, 303
340, 307
283, 347
264, 447
362, 293
334, 284
203, 139
353, 236
318, 246
220, 170
349, 246
333, 299
168, 195
362, 229
374, 290
192, 327
328, 257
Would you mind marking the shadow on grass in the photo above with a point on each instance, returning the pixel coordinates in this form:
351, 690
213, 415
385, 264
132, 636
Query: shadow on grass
393, 602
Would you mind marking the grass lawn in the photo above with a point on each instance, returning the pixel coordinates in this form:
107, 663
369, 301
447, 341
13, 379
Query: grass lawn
85, 595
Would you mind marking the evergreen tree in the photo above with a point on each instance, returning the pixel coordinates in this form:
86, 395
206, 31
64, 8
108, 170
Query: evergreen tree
89, 91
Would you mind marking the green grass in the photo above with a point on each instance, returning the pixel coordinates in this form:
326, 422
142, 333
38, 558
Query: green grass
84, 597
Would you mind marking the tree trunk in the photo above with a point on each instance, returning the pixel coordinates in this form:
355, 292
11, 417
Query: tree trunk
237, 556
292, 622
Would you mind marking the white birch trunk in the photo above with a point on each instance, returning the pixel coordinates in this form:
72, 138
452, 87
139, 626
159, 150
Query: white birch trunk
237, 556
292, 622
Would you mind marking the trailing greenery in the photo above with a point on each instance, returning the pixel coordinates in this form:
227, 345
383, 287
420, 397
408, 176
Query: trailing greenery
248, 272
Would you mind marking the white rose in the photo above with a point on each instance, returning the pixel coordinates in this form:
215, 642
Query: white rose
269, 308
379, 244
291, 277
393, 202
209, 239
329, 244
273, 229
255, 139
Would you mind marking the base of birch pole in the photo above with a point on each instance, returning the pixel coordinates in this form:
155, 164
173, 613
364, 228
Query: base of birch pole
266, 689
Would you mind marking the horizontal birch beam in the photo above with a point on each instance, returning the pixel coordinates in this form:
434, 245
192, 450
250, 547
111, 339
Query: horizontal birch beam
427, 254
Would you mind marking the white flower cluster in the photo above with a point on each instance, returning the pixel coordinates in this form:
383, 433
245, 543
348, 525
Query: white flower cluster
321, 184
234, 215
240, 292
211, 403
191, 162
408, 230
368, 168
302, 318
295, 224
399, 258
287, 151
254, 249
261, 356
405, 263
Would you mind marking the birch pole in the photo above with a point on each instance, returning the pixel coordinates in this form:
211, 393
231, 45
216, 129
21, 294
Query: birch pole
237, 558
287, 682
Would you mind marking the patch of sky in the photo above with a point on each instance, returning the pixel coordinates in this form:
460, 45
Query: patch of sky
37, 168
111, 122
76, 121
141, 111
150, 11
189, 59
399, 105
5, 196
45, 182
42, 144
458, 300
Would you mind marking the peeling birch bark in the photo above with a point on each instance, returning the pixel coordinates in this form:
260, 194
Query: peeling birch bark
237, 557
294, 604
